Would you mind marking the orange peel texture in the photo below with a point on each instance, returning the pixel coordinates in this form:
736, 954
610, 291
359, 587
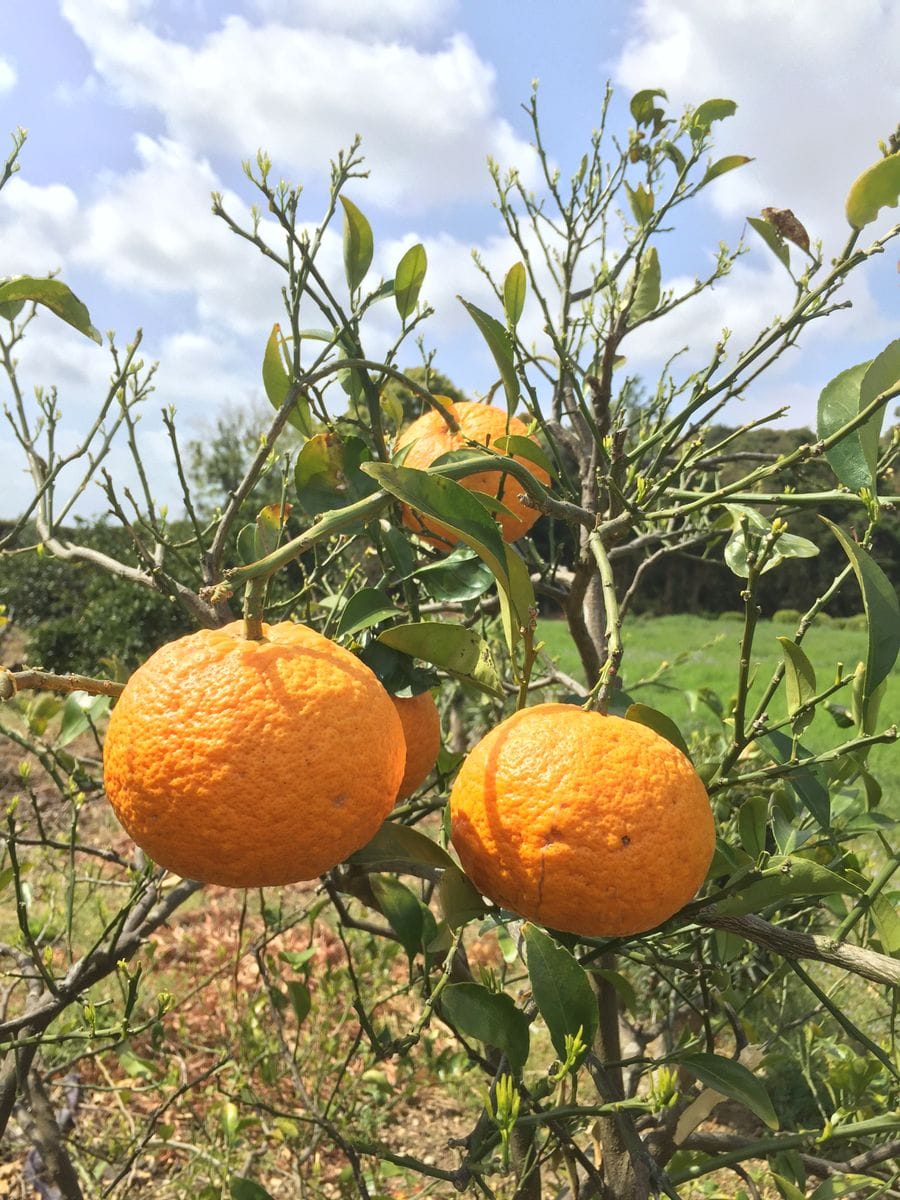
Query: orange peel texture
585, 823
429, 437
421, 723
236, 762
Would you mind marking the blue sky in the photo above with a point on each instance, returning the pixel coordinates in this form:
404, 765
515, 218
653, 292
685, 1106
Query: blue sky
137, 109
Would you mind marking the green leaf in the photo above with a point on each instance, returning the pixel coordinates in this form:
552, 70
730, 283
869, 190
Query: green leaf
772, 238
882, 376
729, 163
400, 848
881, 607
788, 1190
268, 528
750, 526
277, 381
671, 151
642, 107
804, 780
647, 292
838, 1186
519, 445
659, 723
786, 879
709, 111
300, 998
877, 187
561, 990
366, 607
78, 712
460, 576
500, 346
839, 402
799, 676
402, 909
461, 652
359, 246
642, 203
52, 294
733, 1080
753, 820
328, 473
409, 278
491, 1017
10, 311
887, 924
514, 288
517, 600
459, 899
246, 1189
449, 502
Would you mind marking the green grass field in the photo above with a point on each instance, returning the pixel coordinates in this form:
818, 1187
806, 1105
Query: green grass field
703, 653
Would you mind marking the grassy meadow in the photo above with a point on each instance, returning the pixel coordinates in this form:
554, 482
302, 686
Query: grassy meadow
702, 652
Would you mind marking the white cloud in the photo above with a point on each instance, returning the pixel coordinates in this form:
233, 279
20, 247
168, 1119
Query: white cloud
8, 76
359, 17
428, 118
816, 90
37, 225
152, 230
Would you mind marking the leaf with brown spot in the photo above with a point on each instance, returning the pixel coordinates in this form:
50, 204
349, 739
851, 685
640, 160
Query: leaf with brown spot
788, 226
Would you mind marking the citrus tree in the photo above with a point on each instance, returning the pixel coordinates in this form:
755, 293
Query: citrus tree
613, 926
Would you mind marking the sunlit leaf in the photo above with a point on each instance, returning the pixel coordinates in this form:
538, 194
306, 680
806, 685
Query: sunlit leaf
647, 291
642, 107
709, 111
514, 288
881, 607
799, 675
328, 473
491, 1017
876, 188
462, 575
461, 652
277, 381
783, 880
366, 607
359, 245
459, 899
409, 278
772, 238
451, 504
56, 296
500, 347
853, 458
729, 163
643, 714
642, 203
733, 1080
561, 990
397, 847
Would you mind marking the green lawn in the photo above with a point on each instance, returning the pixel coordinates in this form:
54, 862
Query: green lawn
703, 653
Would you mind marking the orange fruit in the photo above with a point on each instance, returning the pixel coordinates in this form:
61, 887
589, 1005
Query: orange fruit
430, 436
421, 723
251, 763
588, 824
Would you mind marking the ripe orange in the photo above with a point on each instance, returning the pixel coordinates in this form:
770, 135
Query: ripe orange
252, 763
587, 824
421, 723
429, 437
